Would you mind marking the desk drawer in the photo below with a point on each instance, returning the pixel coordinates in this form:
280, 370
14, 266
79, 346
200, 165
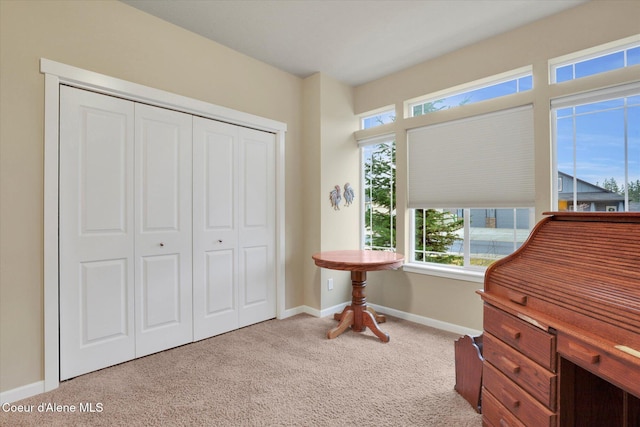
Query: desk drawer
535, 343
598, 361
522, 405
496, 415
535, 379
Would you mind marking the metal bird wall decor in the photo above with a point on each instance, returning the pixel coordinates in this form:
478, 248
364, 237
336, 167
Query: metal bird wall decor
349, 194
335, 198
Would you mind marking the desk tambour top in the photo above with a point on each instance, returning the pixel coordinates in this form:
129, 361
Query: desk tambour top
578, 272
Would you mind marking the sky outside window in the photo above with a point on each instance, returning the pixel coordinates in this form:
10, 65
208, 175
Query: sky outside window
378, 119
601, 141
597, 65
496, 90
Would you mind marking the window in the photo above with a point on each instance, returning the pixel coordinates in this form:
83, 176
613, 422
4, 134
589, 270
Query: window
379, 184
495, 87
468, 238
455, 170
377, 119
597, 145
470, 173
601, 61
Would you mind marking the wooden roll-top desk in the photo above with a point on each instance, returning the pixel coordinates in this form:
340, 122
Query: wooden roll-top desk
561, 342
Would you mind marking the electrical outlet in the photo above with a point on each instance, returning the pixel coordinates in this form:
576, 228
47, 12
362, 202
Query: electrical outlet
330, 284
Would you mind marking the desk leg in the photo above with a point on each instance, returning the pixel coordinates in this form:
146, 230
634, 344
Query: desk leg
370, 322
358, 299
380, 318
358, 315
339, 316
345, 322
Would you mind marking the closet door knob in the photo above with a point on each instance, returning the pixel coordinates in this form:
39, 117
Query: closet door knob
161, 244
219, 240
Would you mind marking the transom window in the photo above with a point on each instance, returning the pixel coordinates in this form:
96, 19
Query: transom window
377, 119
474, 92
601, 61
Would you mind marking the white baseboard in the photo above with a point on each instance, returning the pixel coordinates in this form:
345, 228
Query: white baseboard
313, 311
427, 321
23, 392
294, 311
335, 309
38, 387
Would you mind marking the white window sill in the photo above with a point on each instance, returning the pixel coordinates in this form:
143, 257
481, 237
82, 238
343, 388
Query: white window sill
448, 272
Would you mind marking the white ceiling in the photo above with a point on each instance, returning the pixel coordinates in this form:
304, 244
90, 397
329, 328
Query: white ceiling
354, 41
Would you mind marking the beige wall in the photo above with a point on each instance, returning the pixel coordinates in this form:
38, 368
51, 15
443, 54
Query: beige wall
340, 160
310, 206
331, 158
111, 38
586, 26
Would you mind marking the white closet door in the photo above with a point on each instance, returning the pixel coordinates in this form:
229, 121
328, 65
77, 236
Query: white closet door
163, 289
234, 227
96, 231
215, 232
257, 225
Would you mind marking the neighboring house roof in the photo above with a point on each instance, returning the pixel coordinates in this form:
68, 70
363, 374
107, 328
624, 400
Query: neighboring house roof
595, 193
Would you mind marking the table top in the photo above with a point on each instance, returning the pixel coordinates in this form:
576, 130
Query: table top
358, 260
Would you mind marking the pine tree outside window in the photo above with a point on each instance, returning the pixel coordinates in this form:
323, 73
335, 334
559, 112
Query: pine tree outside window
379, 196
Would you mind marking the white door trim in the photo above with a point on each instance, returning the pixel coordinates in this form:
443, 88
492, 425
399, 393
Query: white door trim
56, 74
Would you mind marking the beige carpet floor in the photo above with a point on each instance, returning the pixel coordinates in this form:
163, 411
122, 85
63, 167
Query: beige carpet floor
276, 373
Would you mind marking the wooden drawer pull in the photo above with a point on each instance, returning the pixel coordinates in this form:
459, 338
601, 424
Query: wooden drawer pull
509, 400
512, 367
511, 332
585, 354
518, 298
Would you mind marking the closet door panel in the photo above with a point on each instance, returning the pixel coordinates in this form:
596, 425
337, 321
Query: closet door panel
163, 246
215, 238
219, 191
256, 182
103, 291
160, 291
96, 231
256, 266
257, 226
220, 297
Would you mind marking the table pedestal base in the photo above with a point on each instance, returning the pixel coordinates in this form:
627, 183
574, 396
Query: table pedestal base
357, 315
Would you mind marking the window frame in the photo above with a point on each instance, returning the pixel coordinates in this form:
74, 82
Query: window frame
467, 271
589, 54
543, 92
388, 138
576, 100
486, 82
379, 112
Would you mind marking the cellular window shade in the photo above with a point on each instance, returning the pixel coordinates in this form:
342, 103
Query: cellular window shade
485, 161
